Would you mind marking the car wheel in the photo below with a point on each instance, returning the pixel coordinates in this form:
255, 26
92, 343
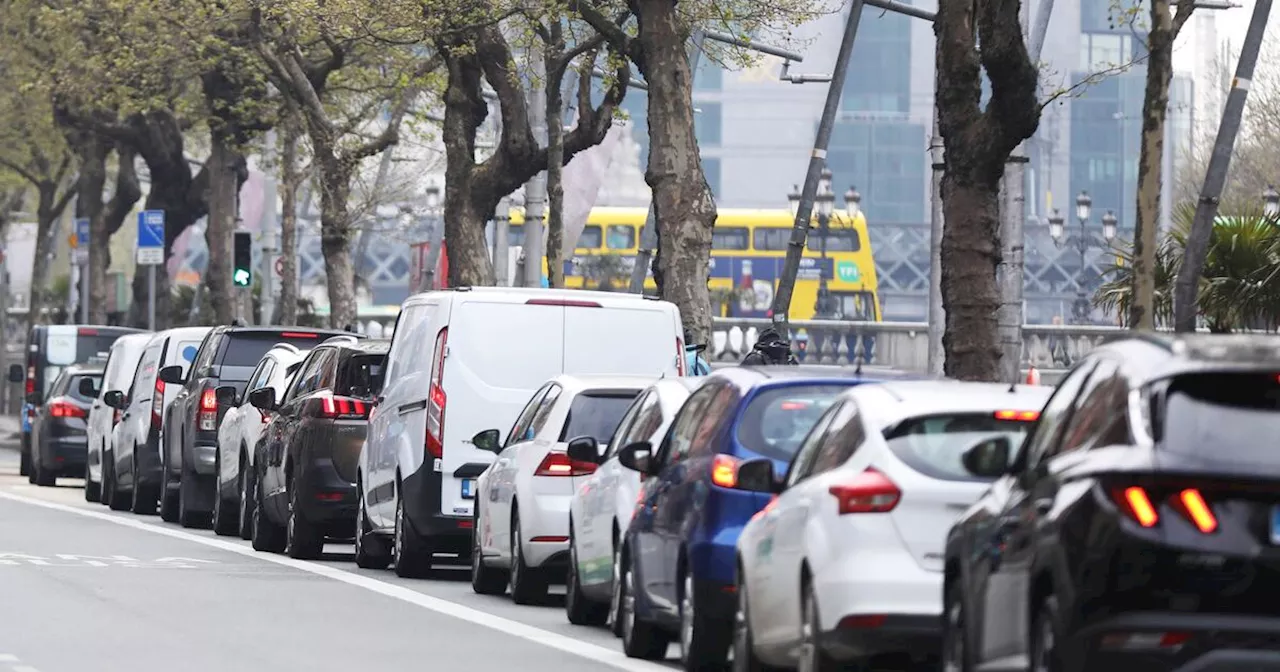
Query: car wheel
143, 501
267, 536
304, 541
485, 580
639, 639
116, 500
224, 524
92, 491
1045, 656
24, 459
245, 486
704, 640
955, 650
614, 622
42, 476
579, 608
527, 583
371, 550
412, 553
812, 657
744, 647
188, 514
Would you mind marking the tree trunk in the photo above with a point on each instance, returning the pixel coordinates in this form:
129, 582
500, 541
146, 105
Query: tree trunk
464, 111
290, 180
335, 235
684, 207
555, 171
220, 226
92, 153
46, 219
970, 255
1155, 106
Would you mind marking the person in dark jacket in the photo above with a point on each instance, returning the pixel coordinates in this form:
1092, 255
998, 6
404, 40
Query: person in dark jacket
770, 350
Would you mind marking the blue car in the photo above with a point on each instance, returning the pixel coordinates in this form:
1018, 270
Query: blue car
678, 552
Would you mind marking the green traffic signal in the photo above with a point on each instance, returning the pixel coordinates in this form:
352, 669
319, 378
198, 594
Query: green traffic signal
242, 260
241, 277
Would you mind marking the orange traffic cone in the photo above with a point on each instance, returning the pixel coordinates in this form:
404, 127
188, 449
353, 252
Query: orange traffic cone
1033, 376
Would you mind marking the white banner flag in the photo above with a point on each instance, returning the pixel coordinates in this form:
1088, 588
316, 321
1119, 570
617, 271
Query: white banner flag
583, 177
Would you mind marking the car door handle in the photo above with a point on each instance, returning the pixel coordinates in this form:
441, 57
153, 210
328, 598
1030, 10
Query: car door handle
405, 409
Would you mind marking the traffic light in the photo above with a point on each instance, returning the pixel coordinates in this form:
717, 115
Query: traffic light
242, 270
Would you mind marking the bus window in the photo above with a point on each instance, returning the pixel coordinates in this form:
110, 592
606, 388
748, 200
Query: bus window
838, 240
857, 306
734, 238
771, 240
621, 237
590, 238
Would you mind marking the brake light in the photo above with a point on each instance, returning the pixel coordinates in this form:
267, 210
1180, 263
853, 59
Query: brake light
31, 379
861, 622
1198, 510
559, 464
1131, 641
157, 404
680, 363
566, 303
299, 334
869, 492
209, 410
60, 408
341, 407
794, 405
87, 332
1140, 506
724, 471
436, 398
1020, 416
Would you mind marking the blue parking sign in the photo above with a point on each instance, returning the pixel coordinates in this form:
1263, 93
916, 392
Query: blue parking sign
151, 228
82, 232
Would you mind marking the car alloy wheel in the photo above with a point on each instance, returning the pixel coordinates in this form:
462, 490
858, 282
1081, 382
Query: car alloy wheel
810, 655
686, 616
615, 593
628, 606
742, 646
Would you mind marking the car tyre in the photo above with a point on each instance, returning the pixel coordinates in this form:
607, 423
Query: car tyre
955, 650
92, 491
224, 524
579, 608
812, 657
1045, 656
244, 483
144, 499
188, 516
116, 500
413, 554
24, 459
745, 658
267, 536
614, 622
704, 640
528, 585
639, 639
304, 540
168, 498
485, 580
45, 478
371, 549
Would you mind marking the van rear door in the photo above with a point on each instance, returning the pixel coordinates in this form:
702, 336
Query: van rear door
500, 351
622, 337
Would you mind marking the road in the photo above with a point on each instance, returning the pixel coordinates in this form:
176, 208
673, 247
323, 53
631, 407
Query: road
84, 588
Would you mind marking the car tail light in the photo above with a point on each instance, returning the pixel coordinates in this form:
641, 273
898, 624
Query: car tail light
1143, 641
724, 471
562, 302
209, 410
861, 622
157, 404
1198, 510
342, 407
437, 399
61, 408
1142, 504
559, 464
1139, 506
31, 379
1020, 416
869, 492
680, 356
299, 334
84, 331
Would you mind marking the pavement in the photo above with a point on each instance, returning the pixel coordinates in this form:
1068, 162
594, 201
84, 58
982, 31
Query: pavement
82, 587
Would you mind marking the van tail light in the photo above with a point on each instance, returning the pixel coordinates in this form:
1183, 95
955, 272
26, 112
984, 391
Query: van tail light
559, 464
1020, 416
436, 398
157, 404
61, 408
1142, 505
31, 379
724, 471
1198, 510
209, 410
868, 492
341, 407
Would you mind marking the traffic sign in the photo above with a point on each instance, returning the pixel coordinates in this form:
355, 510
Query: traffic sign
150, 251
82, 241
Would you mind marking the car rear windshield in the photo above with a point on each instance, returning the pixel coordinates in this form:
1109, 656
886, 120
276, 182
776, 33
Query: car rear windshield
596, 414
247, 348
777, 420
73, 386
935, 445
361, 376
1232, 416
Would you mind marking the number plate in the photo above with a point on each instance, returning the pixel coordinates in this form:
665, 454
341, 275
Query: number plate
468, 488
1275, 524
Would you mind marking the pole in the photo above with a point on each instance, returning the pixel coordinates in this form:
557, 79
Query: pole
535, 191
268, 227
649, 233
1040, 30
817, 161
151, 298
1166, 179
937, 314
84, 293
1013, 215
434, 240
1215, 178
502, 245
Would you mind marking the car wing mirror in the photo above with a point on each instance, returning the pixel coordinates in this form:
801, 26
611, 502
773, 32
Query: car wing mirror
989, 457
15, 373
172, 375
584, 449
33, 398
113, 398
226, 395
637, 456
489, 440
757, 476
263, 398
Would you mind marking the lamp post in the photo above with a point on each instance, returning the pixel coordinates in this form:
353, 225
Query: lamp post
501, 240
1271, 202
431, 198
1083, 242
853, 204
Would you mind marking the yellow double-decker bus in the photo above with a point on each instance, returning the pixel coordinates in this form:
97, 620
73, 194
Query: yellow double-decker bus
747, 252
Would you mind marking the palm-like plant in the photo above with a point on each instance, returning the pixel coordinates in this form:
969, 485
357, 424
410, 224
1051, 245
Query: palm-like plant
1240, 286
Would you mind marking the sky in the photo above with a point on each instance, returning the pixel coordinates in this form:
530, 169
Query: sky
1232, 25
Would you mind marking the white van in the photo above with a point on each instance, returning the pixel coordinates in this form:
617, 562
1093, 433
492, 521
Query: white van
466, 360
122, 361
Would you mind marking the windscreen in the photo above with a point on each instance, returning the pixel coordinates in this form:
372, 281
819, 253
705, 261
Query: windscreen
245, 350
67, 345
1231, 417
777, 420
361, 376
596, 414
73, 387
935, 445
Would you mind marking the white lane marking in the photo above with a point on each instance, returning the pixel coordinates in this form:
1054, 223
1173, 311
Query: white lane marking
8, 658
24, 668
611, 657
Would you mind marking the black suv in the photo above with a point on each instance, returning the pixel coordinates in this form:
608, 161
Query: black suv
304, 466
228, 356
1138, 526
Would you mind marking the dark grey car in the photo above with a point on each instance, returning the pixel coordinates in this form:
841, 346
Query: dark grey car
59, 430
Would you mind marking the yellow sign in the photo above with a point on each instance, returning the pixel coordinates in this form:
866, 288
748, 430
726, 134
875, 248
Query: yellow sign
73, 241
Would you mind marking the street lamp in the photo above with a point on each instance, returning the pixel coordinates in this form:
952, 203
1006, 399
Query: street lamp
794, 198
1109, 226
1056, 227
824, 203
852, 203
1084, 206
1082, 242
1271, 201
432, 197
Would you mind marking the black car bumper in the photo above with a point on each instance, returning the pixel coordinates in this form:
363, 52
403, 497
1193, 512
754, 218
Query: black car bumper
64, 454
1178, 642
146, 461
421, 492
326, 498
914, 636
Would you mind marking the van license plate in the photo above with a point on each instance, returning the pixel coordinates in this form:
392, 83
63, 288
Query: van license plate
468, 488
1275, 524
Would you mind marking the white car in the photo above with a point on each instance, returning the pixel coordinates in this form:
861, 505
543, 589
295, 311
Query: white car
846, 564
601, 509
238, 435
522, 499
122, 362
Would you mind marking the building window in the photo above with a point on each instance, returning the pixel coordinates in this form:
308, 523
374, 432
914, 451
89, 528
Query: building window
879, 78
1100, 52
711, 168
709, 77
707, 123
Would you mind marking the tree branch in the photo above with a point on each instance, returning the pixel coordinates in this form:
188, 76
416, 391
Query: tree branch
1013, 108
611, 30
62, 201
391, 134
1184, 10
957, 67
1091, 79
21, 171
